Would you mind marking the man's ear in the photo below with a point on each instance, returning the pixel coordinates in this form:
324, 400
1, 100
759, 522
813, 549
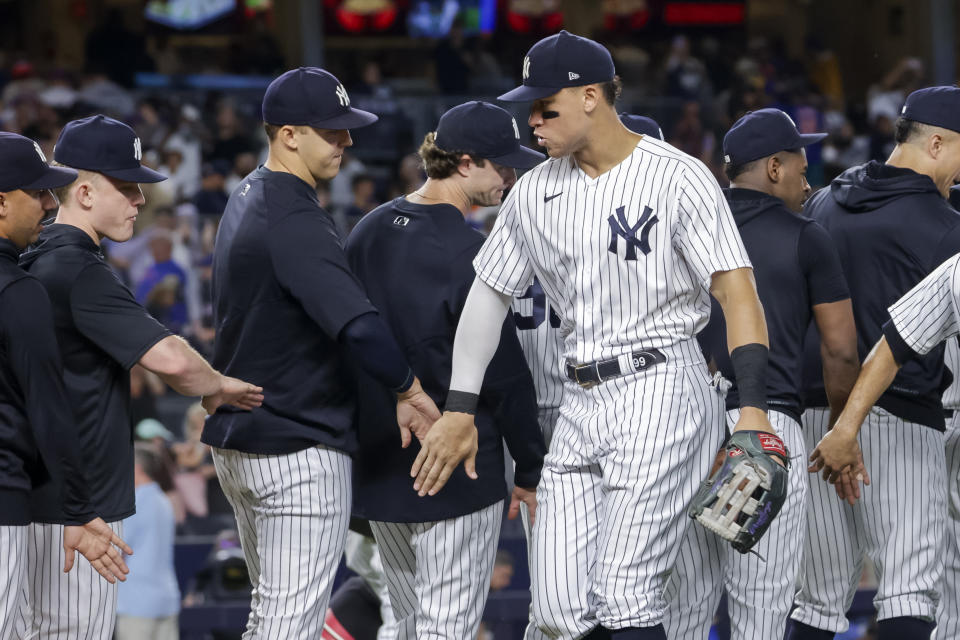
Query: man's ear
286, 136
592, 95
935, 145
463, 167
4, 210
774, 169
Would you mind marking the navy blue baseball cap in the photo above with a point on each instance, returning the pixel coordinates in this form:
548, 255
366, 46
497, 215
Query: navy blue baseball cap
936, 106
642, 124
106, 146
310, 96
560, 61
762, 133
23, 166
487, 131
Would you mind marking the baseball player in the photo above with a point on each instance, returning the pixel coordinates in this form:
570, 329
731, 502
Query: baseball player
288, 311
892, 226
538, 329
798, 278
102, 332
626, 234
38, 438
415, 255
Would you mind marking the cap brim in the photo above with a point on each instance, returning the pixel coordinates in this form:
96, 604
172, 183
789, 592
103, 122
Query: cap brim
522, 158
524, 93
811, 138
142, 175
52, 178
352, 119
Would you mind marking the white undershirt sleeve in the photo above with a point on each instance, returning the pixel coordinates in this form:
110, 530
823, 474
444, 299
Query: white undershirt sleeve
478, 336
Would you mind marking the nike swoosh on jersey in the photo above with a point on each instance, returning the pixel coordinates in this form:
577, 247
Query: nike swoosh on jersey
547, 198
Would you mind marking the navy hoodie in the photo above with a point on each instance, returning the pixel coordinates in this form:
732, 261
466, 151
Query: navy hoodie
796, 267
892, 227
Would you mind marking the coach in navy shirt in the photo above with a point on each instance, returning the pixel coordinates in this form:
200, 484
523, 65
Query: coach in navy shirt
798, 276
102, 332
892, 226
288, 314
414, 255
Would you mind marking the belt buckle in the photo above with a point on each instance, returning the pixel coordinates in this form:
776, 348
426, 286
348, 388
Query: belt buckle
587, 384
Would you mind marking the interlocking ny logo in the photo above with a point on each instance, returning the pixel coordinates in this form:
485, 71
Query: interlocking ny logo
342, 96
620, 227
137, 149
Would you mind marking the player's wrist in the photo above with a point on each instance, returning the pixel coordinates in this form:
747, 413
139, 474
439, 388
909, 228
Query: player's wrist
461, 402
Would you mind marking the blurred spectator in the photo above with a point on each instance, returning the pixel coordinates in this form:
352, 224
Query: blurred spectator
503, 568
145, 388
212, 197
451, 61
115, 51
690, 136
231, 137
364, 199
243, 165
686, 76
150, 126
148, 602
341, 186
107, 96
372, 94
194, 464
163, 287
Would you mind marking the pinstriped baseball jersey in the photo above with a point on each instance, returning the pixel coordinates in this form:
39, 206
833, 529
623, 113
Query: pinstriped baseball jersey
951, 359
625, 257
927, 314
538, 327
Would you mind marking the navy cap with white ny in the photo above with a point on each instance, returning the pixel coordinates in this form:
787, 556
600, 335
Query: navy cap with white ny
104, 145
23, 166
762, 133
560, 61
936, 106
310, 96
486, 131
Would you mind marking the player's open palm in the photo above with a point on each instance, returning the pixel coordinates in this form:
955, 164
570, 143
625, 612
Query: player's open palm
416, 413
99, 545
237, 393
451, 440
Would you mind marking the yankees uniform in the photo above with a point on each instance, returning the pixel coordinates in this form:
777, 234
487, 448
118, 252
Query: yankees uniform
288, 311
102, 332
625, 258
796, 267
415, 258
892, 227
38, 435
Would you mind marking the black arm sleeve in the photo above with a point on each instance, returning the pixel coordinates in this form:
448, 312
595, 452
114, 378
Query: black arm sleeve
508, 389
26, 317
902, 353
375, 350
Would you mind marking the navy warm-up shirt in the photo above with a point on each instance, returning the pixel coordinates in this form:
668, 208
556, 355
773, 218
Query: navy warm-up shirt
38, 432
796, 267
416, 263
892, 228
102, 332
282, 292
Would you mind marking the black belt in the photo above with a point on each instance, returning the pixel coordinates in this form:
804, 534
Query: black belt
591, 373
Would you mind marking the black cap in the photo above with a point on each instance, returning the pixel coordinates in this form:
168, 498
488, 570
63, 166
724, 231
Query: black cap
486, 131
762, 133
642, 124
560, 61
936, 106
23, 166
106, 146
310, 96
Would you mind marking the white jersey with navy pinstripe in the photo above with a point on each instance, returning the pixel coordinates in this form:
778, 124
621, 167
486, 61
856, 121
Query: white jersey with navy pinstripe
625, 258
928, 314
538, 327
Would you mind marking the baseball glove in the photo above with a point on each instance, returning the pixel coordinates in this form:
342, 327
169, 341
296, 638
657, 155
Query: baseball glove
740, 499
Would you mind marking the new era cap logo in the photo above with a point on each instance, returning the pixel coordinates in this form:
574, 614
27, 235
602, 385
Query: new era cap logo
526, 67
137, 149
342, 96
44, 158
573, 76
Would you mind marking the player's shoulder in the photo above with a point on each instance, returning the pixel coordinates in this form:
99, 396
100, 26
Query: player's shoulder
674, 163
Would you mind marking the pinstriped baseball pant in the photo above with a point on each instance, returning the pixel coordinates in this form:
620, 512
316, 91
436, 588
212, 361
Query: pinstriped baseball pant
760, 592
948, 614
79, 605
293, 511
438, 573
13, 577
625, 460
898, 523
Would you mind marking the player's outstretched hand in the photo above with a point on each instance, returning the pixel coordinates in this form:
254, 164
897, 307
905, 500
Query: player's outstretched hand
452, 439
521, 496
238, 393
416, 413
98, 543
838, 456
